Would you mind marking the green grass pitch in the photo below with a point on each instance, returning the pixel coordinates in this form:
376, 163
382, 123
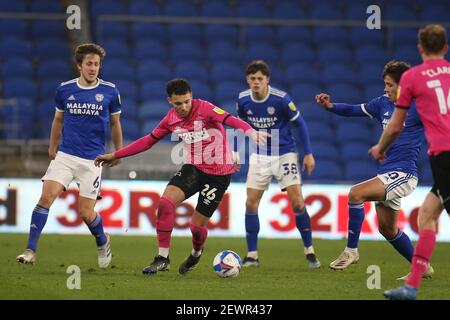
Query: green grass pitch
283, 273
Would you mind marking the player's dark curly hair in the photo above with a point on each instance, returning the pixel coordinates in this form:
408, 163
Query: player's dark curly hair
178, 86
84, 49
258, 65
395, 69
433, 38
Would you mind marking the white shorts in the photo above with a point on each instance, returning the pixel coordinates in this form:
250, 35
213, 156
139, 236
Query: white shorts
66, 168
398, 185
262, 168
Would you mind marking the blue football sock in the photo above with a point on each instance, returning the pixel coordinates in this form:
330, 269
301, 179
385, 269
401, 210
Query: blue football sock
38, 220
303, 223
403, 245
96, 228
252, 229
355, 221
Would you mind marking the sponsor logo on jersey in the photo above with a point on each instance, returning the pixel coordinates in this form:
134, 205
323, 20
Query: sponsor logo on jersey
191, 137
84, 108
99, 97
262, 122
292, 106
218, 110
270, 110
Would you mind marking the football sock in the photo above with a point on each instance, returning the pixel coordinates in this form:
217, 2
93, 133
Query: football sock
252, 230
96, 228
199, 234
38, 220
355, 221
303, 223
421, 258
163, 252
403, 245
165, 222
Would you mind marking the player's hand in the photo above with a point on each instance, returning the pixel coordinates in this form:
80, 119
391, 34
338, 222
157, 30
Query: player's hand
52, 153
260, 137
107, 159
377, 154
237, 167
236, 161
324, 100
308, 163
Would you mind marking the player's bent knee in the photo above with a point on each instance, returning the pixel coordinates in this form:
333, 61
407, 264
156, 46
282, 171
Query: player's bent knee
47, 199
354, 196
387, 231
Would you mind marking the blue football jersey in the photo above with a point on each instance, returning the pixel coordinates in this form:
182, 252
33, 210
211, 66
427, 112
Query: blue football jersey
87, 113
403, 153
276, 111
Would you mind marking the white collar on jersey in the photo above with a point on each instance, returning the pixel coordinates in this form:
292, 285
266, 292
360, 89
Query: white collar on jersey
87, 88
263, 100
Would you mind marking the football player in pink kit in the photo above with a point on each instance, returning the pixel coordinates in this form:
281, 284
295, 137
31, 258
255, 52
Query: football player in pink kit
428, 85
207, 169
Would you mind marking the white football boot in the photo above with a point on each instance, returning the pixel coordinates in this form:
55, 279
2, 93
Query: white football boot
27, 257
427, 275
104, 253
345, 259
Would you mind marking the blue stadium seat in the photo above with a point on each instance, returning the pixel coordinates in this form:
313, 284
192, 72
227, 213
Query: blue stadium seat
191, 70
325, 150
319, 130
187, 50
334, 52
19, 117
403, 36
141, 32
13, 47
131, 129
362, 36
325, 11
179, 8
116, 49
128, 89
144, 8
326, 171
437, 13
345, 92
17, 67
297, 52
181, 32
46, 108
330, 35
259, 33
218, 32
286, 35
370, 74
201, 90
129, 109
107, 30
216, 9
52, 49
262, 51
148, 126
339, 73
346, 132
305, 92
228, 90
153, 109
371, 54
47, 88
56, 68
48, 29
47, 6
228, 105
356, 11
103, 7
399, 12
311, 111
360, 170
226, 71
223, 51
408, 53
20, 88
13, 28
117, 69
153, 70
373, 91
13, 6
352, 151
301, 72
288, 10
252, 10
153, 90
146, 50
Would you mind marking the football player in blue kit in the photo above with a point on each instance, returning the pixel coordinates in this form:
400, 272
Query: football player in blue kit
397, 175
85, 106
267, 108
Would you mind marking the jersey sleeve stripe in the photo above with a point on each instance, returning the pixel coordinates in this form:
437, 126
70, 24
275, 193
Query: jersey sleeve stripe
225, 119
120, 111
365, 111
59, 110
155, 137
402, 107
295, 117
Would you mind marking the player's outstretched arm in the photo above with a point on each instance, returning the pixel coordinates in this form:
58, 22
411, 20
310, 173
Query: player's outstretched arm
259, 137
323, 99
107, 159
55, 134
342, 109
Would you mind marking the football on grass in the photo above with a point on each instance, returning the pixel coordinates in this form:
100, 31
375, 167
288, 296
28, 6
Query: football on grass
227, 264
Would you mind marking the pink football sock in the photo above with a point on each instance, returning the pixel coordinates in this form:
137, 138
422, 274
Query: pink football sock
165, 223
199, 234
422, 255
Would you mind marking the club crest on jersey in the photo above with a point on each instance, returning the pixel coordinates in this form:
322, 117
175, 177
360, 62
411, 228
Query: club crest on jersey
218, 110
270, 110
99, 97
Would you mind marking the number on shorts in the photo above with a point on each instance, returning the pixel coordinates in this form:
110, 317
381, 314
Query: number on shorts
211, 194
96, 183
290, 168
